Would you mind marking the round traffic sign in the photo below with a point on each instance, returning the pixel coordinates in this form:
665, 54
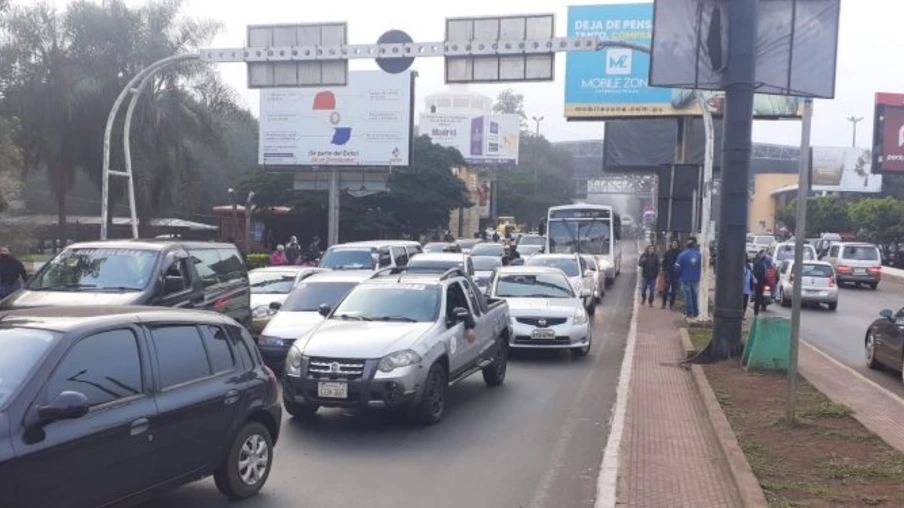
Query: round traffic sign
395, 65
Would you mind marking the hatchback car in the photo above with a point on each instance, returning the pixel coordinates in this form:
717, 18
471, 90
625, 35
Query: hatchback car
272, 284
856, 263
110, 405
818, 284
885, 341
579, 274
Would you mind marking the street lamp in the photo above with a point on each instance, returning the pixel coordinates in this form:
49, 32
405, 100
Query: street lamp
247, 244
537, 120
235, 215
854, 120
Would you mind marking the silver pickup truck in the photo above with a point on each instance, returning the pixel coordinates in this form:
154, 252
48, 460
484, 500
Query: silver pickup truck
399, 340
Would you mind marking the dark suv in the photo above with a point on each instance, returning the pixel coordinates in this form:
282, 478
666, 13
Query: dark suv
107, 405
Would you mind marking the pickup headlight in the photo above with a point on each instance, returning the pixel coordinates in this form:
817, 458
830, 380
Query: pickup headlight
399, 359
293, 362
262, 311
580, 317
267, 340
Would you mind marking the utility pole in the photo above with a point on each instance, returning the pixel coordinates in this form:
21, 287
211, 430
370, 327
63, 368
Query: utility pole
854, 120
248, 204
537, 120
235, 216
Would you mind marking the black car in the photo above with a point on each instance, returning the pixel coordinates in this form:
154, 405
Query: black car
165, 273
105, 406
884, 341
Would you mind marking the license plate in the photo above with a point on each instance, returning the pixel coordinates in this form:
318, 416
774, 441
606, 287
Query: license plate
860, 270
332, 390
542, 333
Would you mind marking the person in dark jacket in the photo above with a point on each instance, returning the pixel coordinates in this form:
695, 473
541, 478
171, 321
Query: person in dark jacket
12, 273
649, 271
671, 277
688, 269
761, 265
293, 250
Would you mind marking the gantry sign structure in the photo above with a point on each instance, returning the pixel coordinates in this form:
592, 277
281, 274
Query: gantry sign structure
494, 49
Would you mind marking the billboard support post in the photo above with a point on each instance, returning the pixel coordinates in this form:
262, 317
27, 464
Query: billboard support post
705, 223
332, 235
803, 185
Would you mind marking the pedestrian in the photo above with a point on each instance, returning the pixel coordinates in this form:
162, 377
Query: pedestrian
278, 258
496, 236
688, 268
761, 265
649, 270
12, 273
748, 287
293, 250
670, 275
313, 251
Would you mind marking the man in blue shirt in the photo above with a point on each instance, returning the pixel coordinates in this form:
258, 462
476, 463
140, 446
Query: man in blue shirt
687, 269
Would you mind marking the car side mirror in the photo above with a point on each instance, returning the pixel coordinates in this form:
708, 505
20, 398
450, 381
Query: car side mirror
324, 309
585, 293
275, 306
887, 314
173, 284
65, 406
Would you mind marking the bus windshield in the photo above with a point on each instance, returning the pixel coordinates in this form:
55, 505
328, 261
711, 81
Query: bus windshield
579, 236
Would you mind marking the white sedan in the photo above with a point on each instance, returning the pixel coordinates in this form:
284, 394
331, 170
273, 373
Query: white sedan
546, 312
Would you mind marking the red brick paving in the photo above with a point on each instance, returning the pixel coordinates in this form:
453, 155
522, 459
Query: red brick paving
670, 456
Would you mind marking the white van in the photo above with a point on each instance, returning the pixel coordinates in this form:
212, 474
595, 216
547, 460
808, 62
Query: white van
372, 255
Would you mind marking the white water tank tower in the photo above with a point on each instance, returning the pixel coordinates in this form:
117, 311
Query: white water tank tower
458, 99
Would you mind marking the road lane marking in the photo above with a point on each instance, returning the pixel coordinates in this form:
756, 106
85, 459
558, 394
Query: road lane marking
607, 483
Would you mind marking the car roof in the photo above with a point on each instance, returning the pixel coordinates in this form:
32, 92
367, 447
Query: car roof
340, 276
857, 244
810, 262
554, 256
439, 256
377, 243
285, 268
424, 278
66, 319
525, 269
157, 244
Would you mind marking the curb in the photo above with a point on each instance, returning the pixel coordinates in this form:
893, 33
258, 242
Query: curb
689, 350
748, 486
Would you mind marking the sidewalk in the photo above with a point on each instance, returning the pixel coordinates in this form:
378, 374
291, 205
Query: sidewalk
670, 455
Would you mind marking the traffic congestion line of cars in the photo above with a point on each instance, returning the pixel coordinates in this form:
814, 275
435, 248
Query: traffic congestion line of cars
107, 397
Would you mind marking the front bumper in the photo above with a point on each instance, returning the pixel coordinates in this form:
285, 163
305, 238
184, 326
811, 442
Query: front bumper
274, 356
373, 389
568, 336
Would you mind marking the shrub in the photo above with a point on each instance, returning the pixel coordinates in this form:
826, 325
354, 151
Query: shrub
257, 261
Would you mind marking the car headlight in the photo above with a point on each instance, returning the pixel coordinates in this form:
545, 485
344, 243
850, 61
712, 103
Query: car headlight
267, 340
293, 361
262, 311
580, 317
399, 359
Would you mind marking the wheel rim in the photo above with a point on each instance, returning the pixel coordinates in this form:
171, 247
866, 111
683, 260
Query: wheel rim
870, 348
434, 395
254, 457
501, 363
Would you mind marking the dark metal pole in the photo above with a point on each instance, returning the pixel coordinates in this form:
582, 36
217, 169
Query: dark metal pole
736, 150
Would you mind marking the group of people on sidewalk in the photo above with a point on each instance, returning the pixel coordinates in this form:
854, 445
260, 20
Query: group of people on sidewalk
292, 253
677, 268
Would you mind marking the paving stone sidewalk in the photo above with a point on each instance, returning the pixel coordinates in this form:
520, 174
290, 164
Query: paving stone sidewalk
669, 456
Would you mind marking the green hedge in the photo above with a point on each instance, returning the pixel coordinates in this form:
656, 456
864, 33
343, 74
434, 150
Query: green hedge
258, 261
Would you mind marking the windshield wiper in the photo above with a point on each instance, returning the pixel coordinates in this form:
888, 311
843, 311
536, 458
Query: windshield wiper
353, 318
395, 318
118, 288
65, 286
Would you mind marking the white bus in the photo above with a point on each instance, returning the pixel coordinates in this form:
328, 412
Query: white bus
586, 229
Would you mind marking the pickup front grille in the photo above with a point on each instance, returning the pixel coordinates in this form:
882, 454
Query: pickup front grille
335, 368
532, 321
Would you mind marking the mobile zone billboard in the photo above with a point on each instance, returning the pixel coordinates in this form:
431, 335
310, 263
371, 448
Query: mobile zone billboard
888, 133
366, 123
483, 140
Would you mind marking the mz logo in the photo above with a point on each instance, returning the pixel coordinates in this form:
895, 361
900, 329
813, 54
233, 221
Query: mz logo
618, 61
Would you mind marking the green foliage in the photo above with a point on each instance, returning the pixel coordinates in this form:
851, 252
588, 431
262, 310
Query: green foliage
879, 220
257, 261
510, 103
526, 197
824, 214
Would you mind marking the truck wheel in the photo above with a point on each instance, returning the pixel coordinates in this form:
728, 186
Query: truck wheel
494, 373
433, 403
247, 466
300, 410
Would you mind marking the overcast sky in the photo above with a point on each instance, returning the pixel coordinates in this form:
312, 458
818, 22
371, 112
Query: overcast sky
869, 55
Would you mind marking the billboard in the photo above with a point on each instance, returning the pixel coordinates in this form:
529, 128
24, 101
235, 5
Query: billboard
367, 123
888, 134
843, 169
613, 83
483, 140
796, 45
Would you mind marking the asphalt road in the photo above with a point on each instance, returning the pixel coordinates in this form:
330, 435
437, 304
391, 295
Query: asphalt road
535, 442
841, 334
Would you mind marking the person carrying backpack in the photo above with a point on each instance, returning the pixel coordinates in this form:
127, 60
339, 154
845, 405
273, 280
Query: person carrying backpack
649, 269
293, 250
761, 265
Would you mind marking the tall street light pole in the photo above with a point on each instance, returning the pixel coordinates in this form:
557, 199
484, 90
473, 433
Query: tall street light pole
537, 120
235, 216
854, 120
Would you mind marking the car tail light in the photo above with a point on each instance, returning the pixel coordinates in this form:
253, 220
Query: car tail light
274, 382
875, 270
843, 269
831, 281
767, 289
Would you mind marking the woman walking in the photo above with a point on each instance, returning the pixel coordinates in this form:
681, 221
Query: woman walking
649, 270
748, 287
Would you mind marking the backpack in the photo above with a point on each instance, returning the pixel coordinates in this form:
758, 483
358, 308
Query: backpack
771, 275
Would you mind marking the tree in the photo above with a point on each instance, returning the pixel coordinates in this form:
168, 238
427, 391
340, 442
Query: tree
825, 214
510, 103
879, 220
527, 198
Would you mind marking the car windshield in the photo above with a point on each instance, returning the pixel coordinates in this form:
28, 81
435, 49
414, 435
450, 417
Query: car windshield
579, 236
567, 265
861, 253
391, 302
268, 282
97, 270
786, 253
435, 247
468, 244
531, 240
22, 349
350, 259
487, 249
529, 250
528, 285
308, 296
808, 270
485, 263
